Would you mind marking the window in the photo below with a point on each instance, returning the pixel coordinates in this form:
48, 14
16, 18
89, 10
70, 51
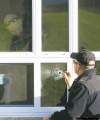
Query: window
55, 25
16, 84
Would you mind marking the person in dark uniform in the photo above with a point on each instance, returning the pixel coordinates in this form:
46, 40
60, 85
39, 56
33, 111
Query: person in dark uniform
84, 93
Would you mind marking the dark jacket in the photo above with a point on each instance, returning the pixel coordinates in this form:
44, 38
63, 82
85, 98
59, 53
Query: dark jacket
84, 98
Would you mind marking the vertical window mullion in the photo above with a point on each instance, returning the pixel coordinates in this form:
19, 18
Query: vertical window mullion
37, 30
37, 85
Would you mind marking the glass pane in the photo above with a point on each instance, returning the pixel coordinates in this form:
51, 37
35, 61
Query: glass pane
21, 118
53, 84
55, 25
16, 84
89, 24
15, 25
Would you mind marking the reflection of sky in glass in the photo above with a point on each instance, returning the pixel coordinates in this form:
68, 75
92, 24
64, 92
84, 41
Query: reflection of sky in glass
50, 2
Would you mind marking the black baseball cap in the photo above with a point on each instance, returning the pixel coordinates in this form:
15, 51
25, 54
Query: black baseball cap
84, 57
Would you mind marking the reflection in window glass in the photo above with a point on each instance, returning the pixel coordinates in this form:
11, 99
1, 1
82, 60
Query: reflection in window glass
89, 24
52, 83
98, 67
15, 25
16, 84
55, 25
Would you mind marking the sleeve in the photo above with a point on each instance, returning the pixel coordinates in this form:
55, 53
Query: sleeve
76, 103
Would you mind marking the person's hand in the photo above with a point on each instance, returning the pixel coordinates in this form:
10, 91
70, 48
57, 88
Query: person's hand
68, 79
45, 118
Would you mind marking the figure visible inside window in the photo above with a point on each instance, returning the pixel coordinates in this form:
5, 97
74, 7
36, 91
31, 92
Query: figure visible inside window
14, 25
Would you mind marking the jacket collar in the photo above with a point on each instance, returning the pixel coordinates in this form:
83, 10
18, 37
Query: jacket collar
88, 74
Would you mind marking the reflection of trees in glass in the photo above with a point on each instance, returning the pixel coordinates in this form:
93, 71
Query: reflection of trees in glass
98, 67
90, 4
30, 83
55, 25
52, 90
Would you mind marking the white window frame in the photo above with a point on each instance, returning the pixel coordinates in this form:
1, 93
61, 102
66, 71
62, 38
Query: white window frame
37, 57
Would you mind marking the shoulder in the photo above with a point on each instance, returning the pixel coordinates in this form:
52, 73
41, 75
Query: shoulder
92, 84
